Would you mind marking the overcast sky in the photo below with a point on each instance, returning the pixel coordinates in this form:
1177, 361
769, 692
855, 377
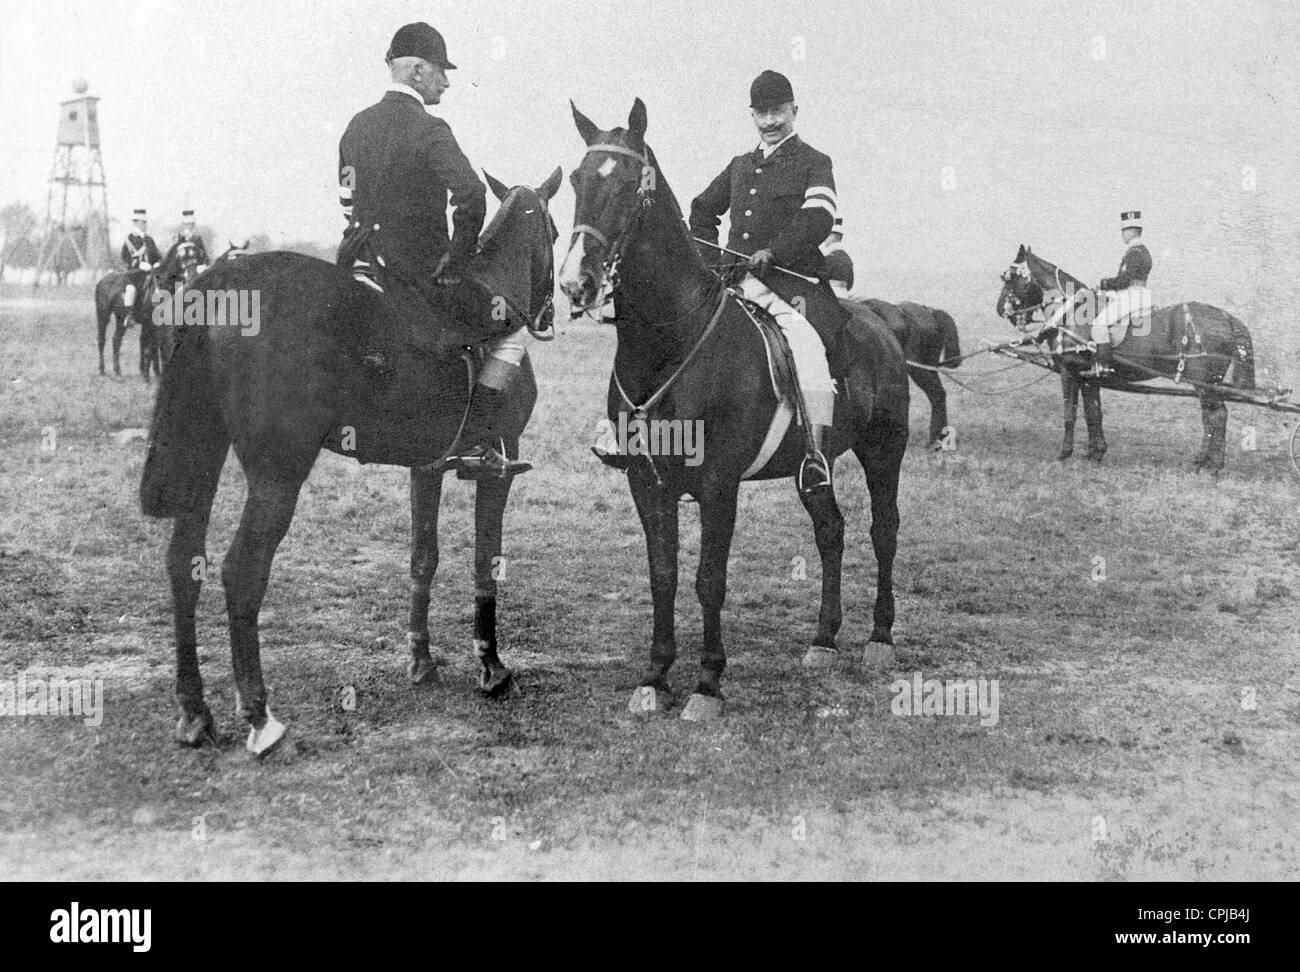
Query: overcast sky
957, 129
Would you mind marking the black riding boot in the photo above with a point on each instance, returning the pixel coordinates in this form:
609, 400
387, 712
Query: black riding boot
480, 453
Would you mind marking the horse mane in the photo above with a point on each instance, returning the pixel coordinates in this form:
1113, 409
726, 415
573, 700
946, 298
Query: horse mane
1049, 276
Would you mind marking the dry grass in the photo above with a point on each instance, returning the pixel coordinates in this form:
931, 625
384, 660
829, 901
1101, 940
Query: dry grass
1120, 699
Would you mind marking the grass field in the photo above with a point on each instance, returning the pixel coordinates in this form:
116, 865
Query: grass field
1148, 721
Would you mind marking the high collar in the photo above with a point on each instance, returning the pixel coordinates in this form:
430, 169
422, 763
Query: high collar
406, 89
1136, 241
766, 151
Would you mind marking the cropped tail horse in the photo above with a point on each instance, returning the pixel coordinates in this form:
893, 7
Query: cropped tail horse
305, 378
110, 307
1193, 342
690, 355
930, 341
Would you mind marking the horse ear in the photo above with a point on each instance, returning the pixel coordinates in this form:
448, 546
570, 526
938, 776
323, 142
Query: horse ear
586, 127
551, 186
636, 120
498, 189
1020, 254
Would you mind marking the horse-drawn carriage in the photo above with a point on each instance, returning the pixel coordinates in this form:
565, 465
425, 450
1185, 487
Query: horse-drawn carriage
1200, 351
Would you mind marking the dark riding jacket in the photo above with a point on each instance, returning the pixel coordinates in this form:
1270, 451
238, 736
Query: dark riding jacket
785, 202
140, 249
1133, 269
192, 249
397, 166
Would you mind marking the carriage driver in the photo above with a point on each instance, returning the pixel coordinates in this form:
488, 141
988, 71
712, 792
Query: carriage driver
782, 201
1129, 293
140, 255
397, 166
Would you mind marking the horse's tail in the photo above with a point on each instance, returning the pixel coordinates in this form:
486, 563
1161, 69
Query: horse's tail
951, 342
188, 438
1243, 361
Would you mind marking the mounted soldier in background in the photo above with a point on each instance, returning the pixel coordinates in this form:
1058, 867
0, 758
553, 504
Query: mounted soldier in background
140, 256
1129, 298
782, 201
188, 250
397, 166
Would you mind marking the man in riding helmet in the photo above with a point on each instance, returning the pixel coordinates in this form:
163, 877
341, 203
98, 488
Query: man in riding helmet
140, 256
1128, 290
397, 166
189, 246
782, 201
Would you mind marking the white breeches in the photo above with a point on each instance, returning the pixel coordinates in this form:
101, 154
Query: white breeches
128, 296
509, 348
1135, 303
811, 370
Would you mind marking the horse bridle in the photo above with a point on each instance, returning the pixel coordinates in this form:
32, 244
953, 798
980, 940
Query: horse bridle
614, 250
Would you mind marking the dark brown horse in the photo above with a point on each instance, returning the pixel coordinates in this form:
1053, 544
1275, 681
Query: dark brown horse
930, 341
1192, 342
110, 307
689, 349
306, 378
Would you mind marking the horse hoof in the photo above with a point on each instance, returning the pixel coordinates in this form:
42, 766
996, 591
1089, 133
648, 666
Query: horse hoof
498, 684
877, 654
423, 671
1064, 454
194, 731
645, 701
702, 708
262, 741
819, 656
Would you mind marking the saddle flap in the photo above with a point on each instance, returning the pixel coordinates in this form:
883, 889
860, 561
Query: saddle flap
780, 360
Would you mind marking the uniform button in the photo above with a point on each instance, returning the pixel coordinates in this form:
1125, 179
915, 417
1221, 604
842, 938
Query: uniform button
376, 226
744, 236
758, 171
749, 212
753, 192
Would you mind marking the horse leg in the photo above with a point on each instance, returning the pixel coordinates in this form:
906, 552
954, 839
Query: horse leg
881, 457
426, 499
187, 561
146, 353
101, 333
1214, 421
119, 332
1070, 394
246, 571
717, 525
828, 528
490, 495
657, 509
932, 385
1092, 416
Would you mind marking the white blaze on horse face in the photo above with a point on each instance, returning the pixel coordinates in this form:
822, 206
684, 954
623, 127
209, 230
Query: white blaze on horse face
571, 271
607, 167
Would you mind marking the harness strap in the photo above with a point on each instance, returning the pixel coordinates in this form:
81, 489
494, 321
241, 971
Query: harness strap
643, 409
